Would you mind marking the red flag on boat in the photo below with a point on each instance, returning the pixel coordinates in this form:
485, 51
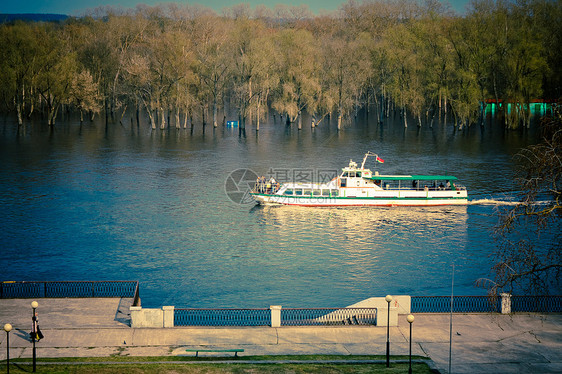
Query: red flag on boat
380, 160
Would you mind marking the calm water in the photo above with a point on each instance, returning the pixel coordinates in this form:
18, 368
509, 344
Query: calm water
90, 202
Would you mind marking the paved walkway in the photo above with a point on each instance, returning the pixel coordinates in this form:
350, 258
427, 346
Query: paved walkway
482, 343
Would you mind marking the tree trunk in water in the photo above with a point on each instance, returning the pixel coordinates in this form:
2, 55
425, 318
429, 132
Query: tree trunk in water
151, 117
52, 115
162, 119
381, 111
178, 124
258, 116
215, 112
20, 120
300, 120
404, 115
339, 119
204, 117
241, 122
250, 103
387, 101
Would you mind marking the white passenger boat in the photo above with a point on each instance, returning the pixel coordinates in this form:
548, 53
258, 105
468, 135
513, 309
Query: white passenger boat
358, 186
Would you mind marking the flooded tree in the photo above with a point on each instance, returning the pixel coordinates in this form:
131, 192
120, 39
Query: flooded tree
528, 258
414, 56
298, 70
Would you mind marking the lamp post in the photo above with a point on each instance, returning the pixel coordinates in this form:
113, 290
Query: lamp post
410, 319
34, 305
7, 328
388, 299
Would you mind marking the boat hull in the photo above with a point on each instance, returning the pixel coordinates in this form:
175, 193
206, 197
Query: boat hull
272, 199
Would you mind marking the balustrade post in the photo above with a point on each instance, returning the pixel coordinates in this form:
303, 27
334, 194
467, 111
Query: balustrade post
275, 315
168, 312
506, 303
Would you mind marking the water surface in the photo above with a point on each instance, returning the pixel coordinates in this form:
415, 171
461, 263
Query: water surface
117, 202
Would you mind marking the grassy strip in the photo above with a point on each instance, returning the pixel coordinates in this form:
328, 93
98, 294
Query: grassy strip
149, 359
234, 368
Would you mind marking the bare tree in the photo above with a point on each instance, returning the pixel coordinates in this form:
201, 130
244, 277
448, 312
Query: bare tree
529, 253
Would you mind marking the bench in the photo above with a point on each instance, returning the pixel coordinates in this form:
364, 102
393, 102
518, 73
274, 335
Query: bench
215, 350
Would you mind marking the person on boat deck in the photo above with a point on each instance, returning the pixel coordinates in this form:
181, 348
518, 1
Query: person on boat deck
270, 185
414, 184
448, 185
441, 186
261, 184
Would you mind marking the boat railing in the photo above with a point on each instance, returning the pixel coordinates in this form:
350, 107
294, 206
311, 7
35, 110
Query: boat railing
454, 187
267, 187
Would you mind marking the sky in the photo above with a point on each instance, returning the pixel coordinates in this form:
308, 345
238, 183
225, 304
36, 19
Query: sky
79, 7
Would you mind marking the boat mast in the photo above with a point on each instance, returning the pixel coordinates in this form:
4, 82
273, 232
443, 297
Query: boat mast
369, 153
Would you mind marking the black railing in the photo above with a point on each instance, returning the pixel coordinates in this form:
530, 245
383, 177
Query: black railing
222, 317
546, 304
63, 289
461, 304
328, 316
486, 304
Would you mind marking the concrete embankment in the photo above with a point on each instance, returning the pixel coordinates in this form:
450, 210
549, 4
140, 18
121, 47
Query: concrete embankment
481, 343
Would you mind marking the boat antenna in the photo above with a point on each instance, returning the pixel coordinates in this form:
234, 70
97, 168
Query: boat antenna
369, 153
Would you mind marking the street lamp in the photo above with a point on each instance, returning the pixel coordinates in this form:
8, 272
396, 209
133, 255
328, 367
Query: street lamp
34, 305
388, 299
7, 328
410, 319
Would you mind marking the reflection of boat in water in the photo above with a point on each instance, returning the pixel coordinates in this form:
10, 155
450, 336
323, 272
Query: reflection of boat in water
338, 228
349, 218
358, 186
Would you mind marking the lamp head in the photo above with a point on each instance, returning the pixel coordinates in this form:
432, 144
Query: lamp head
34, 304
7, 327
388, 298
410, 318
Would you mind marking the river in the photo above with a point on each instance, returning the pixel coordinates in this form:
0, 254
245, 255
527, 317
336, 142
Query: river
121, 202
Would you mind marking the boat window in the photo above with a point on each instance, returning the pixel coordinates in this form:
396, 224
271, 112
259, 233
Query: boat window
298, 192
325, 192
344, 182
352, 174
289, 191
316, 192
335, 192
307, 192
345, 174
359, 174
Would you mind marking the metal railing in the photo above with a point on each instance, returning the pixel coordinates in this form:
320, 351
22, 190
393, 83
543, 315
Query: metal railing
63, 289
486, 304
328, 316
222, 317
461, 304
548, 304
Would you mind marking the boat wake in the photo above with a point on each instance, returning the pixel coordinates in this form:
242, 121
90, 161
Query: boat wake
505, 202
492, 202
